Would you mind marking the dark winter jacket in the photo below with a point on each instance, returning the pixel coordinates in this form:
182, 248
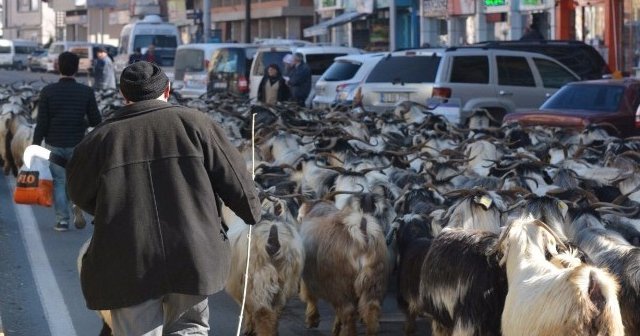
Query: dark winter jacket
300, 82
283, 89
152, 175
65, 110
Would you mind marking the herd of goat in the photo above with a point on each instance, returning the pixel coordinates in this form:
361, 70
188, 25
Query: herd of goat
487, 230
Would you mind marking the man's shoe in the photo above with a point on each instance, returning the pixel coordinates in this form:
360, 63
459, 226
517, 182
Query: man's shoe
78, 218
62, 226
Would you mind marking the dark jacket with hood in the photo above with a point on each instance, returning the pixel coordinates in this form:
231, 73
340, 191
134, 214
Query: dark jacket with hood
283, 89
152, 175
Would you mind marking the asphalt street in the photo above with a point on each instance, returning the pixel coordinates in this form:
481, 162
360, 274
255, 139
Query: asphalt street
39, 282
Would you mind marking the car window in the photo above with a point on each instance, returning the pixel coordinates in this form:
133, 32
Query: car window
341, 70
553, 75
266, 58
595, 98
24, 50
226, 61
81, 52
159, 41
405, 69
189, 60
318, 63
515, 71
57, 49
470, 69
5, 49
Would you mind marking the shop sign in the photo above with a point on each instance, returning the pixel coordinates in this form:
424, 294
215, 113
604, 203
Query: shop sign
76, 19
434, 8
329, 4
496, 6
101, 3
533, 4
462, 7
364, 6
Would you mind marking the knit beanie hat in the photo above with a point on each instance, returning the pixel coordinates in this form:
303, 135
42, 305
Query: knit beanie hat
142, 81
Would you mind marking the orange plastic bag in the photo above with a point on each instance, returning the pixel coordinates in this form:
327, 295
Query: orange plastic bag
34, 185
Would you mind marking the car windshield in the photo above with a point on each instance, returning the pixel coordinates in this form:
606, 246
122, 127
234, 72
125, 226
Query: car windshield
341, 70
159, 41
5, 49
595, 98
405, 69
189, 60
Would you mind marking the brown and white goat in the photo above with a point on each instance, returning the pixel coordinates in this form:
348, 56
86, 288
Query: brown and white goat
346, 264
544, 298
276, 264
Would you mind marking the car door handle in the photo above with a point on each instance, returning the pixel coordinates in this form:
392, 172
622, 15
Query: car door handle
505, 93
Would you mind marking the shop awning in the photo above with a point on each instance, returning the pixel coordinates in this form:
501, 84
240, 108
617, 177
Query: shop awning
323, 27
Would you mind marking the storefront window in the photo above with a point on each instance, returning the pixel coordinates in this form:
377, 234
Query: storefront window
590, 27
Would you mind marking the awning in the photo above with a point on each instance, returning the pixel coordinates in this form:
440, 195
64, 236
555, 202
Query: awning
323, 27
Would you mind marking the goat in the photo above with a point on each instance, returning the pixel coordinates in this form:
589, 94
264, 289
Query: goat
608, 250
545, 298
276, 264
462, 285
345, 264
413, 241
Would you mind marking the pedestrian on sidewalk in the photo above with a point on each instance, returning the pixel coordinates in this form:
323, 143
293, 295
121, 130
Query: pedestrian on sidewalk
272, 88
105, 76
65, 110
300, 80
153, 175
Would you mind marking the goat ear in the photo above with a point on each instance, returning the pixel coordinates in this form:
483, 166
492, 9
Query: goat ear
563, 208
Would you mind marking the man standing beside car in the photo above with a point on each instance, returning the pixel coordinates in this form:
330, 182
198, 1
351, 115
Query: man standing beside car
300, 79
105, 76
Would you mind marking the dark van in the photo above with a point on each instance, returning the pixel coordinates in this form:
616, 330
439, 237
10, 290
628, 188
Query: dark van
229, 70
578, 56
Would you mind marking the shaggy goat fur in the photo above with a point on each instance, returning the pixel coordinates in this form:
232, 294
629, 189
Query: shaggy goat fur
276, 264
608, 250
546, 299
346, 265
462, 284
413, 242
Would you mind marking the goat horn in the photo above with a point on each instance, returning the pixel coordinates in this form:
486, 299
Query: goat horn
330, 195
367, 170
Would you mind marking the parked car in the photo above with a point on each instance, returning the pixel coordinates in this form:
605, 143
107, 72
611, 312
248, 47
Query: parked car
319, 58
229, 70
14, 53
37, 60
579, 104
578, 56
140, 34
191, 67
501, 81
339, 83
88, 55
55, 49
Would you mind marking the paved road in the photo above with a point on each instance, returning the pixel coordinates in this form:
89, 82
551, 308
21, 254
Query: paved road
39, 283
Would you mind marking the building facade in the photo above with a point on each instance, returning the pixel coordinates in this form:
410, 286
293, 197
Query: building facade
28, 19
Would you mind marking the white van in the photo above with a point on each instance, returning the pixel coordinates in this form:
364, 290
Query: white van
191, 67
14, 53
319, 58
140, 35
56, 48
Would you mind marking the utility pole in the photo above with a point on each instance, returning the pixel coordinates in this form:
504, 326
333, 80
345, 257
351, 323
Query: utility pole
206, 20
247, 21
392, 25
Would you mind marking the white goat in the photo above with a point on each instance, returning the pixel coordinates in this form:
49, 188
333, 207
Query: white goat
546, 299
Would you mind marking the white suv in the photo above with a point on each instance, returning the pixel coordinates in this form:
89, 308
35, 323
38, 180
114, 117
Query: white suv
338, 84
501, 81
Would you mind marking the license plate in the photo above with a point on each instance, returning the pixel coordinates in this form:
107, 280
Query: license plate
393, 97
220, 85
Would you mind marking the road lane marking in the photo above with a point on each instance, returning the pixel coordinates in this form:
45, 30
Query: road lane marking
55, 309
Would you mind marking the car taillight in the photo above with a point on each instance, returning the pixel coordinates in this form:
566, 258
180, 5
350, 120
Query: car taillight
441, 92
243, 84
357, 98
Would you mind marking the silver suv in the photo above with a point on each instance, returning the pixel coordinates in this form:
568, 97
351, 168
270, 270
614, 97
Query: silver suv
501, 81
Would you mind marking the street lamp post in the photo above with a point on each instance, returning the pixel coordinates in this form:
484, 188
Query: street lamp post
206, 20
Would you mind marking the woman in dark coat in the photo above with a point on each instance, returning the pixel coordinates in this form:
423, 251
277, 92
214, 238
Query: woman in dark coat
273, 87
